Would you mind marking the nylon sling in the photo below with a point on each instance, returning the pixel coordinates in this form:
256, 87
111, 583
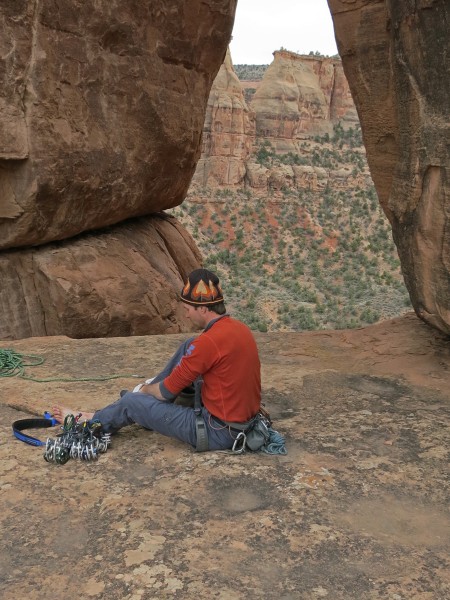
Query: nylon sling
200, 425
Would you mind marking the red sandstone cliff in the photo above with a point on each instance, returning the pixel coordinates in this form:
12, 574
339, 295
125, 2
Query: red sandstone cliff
397, 60
228, 132
299, 97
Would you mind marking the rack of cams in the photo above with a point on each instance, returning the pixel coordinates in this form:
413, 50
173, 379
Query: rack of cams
78, 440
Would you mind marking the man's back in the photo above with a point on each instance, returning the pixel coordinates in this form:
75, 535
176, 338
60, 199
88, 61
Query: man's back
225, 355
232, 385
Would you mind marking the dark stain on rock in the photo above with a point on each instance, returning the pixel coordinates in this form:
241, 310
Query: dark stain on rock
388, 389
242, 494
280, 405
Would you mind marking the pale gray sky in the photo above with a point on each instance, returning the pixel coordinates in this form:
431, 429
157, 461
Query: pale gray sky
262, 26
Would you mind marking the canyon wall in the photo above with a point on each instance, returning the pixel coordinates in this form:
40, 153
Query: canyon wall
299, 97
228, 131
102, 108
397, 61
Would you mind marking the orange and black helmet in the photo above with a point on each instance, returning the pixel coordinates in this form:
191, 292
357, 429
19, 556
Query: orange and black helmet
202, 288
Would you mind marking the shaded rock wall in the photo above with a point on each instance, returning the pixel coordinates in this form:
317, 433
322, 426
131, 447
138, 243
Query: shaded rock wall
397, 61
102, 108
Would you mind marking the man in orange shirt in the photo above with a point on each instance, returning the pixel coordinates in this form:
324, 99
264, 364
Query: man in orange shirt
224, 356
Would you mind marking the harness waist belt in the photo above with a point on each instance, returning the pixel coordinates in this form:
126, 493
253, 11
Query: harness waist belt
237, 427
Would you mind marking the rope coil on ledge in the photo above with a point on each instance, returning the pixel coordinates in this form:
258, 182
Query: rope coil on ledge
12, 364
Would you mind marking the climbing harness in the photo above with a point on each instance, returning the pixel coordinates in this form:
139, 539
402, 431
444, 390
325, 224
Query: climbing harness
257, 435
12, 364
252, 434
275, 444
84, 440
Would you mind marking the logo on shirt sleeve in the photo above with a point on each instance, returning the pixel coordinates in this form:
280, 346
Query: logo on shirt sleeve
190, 350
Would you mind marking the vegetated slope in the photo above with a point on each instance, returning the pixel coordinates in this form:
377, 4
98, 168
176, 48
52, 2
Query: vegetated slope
294, 259
250, 72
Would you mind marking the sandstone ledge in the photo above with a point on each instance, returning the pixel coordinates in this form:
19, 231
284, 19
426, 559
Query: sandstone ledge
358, 509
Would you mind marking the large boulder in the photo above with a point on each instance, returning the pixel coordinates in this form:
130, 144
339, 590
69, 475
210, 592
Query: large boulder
123, 281
101, 109
396, 57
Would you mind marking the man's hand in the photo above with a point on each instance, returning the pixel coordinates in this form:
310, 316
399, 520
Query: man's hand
152, 389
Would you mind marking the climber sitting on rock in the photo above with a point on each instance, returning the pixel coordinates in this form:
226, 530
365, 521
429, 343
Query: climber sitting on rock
224, 356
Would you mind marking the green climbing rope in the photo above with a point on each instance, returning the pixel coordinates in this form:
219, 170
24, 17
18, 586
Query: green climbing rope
12, 364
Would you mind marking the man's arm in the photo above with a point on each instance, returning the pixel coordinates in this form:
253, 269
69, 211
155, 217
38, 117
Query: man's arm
152, 389
196, 361
199, 359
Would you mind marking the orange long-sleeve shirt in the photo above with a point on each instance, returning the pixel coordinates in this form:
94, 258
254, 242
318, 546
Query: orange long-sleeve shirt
226, 356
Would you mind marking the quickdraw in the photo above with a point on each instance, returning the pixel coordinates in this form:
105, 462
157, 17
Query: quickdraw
84, 441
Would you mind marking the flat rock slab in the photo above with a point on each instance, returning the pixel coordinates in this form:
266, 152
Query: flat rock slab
358, 509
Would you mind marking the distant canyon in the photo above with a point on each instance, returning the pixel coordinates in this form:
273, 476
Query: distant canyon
282, 203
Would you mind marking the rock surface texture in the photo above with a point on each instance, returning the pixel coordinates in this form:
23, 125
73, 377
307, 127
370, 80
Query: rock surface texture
357, 510
102, 108
397, 61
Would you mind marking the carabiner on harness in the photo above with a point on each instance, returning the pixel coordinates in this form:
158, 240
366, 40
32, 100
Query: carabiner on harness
239, 443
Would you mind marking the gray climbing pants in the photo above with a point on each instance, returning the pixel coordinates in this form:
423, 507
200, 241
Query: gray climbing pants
165, 417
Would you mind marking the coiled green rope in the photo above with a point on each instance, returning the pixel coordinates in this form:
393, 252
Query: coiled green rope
12, 364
